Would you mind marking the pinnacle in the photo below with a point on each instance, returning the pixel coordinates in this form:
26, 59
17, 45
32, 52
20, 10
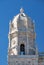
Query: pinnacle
21, 10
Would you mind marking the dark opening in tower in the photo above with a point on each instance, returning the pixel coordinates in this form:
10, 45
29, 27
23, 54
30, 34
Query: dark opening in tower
22, 49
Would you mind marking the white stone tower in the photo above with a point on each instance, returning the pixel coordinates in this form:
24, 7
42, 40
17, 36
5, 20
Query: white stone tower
22, 49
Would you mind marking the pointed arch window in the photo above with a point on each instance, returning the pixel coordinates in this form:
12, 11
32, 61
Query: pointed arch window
22, 49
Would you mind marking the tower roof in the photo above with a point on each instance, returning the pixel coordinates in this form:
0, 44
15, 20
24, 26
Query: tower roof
21, 16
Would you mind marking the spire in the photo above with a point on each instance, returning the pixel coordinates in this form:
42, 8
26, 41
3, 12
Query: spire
21, 10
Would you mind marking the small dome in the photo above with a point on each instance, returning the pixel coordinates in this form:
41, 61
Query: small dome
21, 16
22, 19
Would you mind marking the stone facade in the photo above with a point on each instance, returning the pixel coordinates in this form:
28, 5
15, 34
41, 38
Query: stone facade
23, 60
22, 48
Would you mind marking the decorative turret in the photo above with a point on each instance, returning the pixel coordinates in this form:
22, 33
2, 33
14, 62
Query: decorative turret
22, 47
22, 35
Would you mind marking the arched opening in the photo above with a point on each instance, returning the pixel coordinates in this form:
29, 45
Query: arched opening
22, 49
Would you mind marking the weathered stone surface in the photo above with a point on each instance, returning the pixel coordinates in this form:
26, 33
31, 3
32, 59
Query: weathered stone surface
22, 48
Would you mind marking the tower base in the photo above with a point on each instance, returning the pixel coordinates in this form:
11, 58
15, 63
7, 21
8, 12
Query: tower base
23, 60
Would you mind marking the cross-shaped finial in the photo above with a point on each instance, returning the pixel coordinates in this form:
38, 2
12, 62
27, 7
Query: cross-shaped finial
21, 10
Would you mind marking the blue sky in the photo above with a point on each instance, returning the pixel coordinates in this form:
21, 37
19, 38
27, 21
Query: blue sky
8, 9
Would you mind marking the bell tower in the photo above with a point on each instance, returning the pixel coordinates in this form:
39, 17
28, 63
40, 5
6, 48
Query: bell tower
22, 48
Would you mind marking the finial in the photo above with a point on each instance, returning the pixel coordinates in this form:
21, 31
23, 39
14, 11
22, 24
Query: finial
21, 10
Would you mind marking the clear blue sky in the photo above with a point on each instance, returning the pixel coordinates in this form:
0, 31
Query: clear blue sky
8, 9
